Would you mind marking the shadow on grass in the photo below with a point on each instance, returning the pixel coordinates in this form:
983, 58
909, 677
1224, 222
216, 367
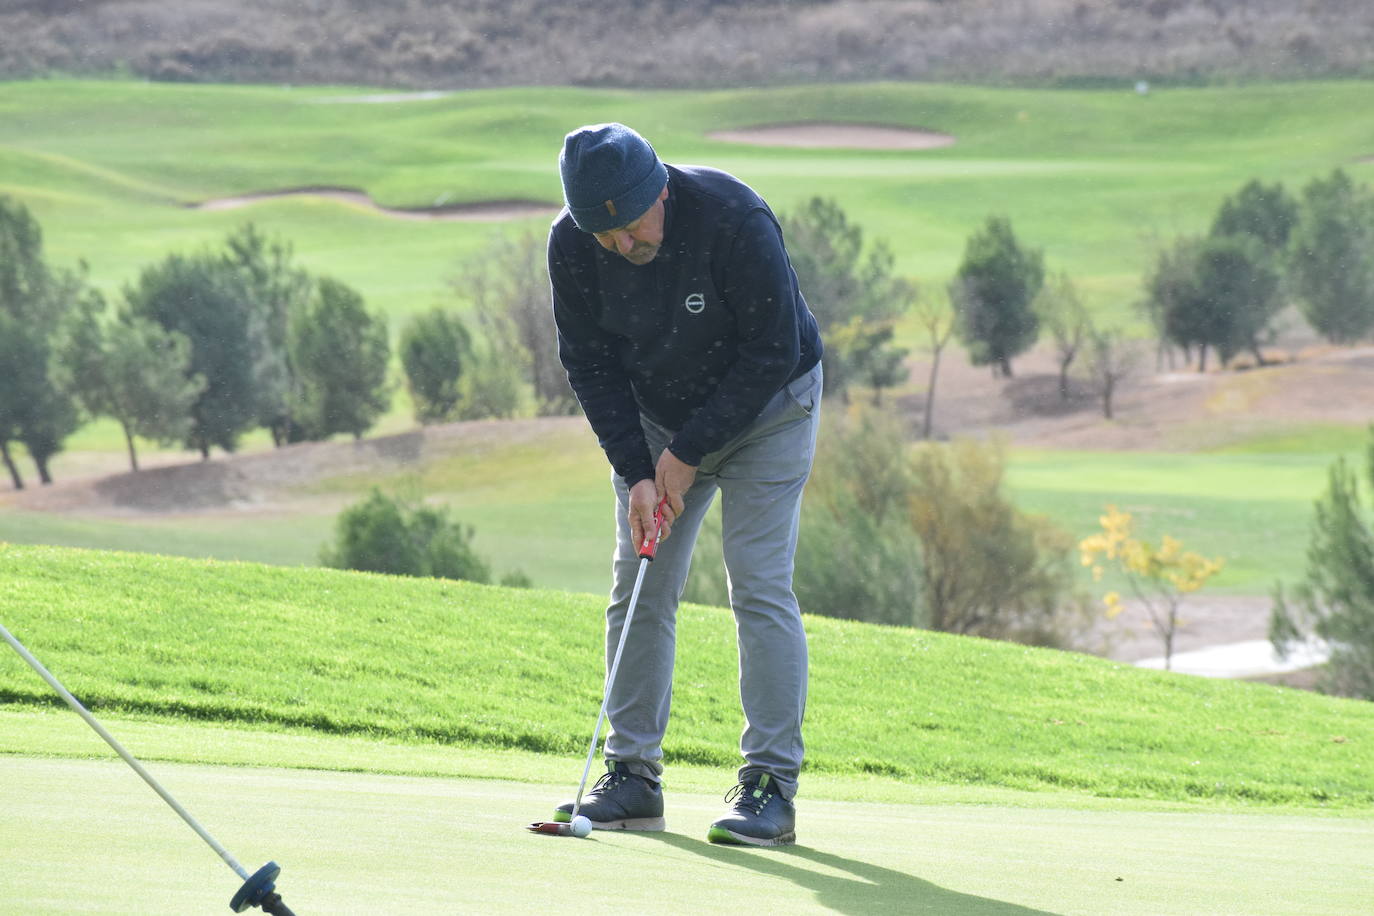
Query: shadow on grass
863, 889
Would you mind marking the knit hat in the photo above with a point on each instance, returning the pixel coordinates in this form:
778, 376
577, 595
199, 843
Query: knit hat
611, 176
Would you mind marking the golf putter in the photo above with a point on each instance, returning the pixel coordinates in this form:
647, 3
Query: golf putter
259, 888
646, 555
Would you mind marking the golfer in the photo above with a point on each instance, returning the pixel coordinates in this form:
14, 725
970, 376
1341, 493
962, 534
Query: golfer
697, 363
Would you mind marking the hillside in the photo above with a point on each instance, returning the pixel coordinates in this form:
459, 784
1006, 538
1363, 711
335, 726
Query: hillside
693, 43
510, 478
475, 666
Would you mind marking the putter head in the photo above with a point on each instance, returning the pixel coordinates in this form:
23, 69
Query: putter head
552, 828
257, 888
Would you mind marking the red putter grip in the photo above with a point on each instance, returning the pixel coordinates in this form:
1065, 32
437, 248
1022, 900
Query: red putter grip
650, 545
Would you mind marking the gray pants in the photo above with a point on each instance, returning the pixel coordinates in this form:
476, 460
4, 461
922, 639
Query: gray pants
760, 475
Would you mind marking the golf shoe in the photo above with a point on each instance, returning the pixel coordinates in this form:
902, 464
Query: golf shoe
758, 817
620, 800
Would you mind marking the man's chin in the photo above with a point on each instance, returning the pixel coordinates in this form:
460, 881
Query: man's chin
641, 257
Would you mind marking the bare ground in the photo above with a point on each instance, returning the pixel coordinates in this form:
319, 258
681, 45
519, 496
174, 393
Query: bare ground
819, 135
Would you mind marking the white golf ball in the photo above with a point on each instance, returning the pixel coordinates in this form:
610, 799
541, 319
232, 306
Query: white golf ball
581, 826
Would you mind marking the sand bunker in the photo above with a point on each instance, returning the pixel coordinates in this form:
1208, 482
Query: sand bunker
487, 211
822, 135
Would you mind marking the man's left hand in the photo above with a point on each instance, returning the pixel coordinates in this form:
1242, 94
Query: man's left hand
672, 478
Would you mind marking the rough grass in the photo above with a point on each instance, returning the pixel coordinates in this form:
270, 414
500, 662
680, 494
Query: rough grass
476, 666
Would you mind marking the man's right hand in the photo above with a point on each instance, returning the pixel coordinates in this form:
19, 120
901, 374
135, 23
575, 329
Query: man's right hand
644, 499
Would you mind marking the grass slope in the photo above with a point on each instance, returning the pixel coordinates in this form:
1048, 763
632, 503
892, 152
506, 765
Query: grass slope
476, 666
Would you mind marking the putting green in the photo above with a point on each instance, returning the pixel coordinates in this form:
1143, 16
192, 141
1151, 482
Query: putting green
88, 836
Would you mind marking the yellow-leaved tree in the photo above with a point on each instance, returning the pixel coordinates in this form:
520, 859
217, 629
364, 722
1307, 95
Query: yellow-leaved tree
1159, 576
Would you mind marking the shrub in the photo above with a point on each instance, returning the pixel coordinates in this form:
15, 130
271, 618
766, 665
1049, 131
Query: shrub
989, 569
394, 535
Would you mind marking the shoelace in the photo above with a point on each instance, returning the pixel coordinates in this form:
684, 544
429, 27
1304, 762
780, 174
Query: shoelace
750, 802
608, 781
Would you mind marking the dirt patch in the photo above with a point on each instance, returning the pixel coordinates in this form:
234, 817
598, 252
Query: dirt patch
383, 98
1172, 410
487, 211
1205, 620
835, 135
265, 480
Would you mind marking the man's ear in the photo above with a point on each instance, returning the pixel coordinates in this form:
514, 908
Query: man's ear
663, 195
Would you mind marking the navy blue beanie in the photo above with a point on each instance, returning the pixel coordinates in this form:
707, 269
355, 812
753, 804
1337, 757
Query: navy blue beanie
611, 176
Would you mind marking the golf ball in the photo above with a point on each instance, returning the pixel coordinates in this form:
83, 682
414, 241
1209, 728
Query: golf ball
581, 826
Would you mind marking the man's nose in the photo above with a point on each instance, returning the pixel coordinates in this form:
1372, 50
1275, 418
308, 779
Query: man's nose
624, 242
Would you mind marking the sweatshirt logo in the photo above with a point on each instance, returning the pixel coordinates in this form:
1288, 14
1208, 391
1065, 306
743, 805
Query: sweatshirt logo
695, 303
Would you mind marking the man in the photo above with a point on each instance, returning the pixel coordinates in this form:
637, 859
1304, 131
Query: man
697, 363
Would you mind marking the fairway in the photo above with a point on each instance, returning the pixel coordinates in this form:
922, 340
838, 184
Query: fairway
88, 836
1089, 175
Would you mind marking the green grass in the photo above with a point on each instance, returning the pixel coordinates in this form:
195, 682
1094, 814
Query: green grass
354, 842
1251, 507
475, 666
1085, 174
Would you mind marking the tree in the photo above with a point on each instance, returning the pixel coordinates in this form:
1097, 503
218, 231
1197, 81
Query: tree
340, 355
1331, 258
1168, 285
1238, 287
34, 302
131, 370
436, 349
1335, 600
851, 291
1266, 214
208, 300
277, 289
1216, 292
936, 320
1111, 358
508, 285
992, 293
397, 535
1060, 309
14, 353
1160, 577
857, 555
988, 569
861, 351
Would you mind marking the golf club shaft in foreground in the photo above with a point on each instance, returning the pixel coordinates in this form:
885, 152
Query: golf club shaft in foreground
646, 554
91, 720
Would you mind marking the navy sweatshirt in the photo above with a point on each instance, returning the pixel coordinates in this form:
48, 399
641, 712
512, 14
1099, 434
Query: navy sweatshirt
699, 339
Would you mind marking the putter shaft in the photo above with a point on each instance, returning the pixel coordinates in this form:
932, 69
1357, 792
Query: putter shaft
610, 681
647, 550
75, 704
